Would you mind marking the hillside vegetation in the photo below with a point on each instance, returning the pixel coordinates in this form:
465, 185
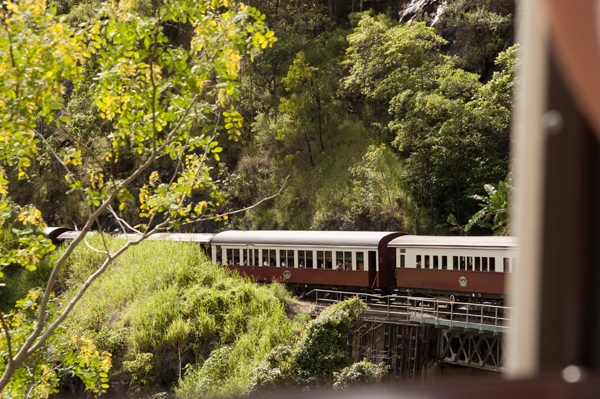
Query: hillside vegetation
380, 124
172, 319
164, 306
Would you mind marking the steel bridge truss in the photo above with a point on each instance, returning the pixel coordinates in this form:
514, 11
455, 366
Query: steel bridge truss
472, 349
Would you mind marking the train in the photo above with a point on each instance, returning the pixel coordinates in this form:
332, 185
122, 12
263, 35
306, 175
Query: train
461, 268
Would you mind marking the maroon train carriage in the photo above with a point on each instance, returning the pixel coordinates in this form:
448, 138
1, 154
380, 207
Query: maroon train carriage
310, 258
454, 266
457, 267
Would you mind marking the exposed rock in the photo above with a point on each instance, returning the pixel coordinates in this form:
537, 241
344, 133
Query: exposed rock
416, 8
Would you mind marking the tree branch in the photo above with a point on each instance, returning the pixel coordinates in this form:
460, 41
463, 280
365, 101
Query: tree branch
94, 249
122, 222
239, 210
89, 151
5, 328
64, 165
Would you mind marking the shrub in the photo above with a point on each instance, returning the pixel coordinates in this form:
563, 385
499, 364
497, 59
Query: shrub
359, 373
321, 351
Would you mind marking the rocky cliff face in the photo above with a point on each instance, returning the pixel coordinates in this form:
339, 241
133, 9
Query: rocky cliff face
416, 9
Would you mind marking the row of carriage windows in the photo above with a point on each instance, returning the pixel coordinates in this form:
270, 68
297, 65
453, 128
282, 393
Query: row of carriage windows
305, 259
469, 263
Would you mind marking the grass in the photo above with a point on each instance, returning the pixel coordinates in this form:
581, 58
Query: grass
162, 299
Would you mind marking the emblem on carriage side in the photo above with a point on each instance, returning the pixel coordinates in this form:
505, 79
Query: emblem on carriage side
287, 275
462, 282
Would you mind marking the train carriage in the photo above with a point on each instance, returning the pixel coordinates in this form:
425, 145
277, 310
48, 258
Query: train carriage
309, 257
464, 266
375, 260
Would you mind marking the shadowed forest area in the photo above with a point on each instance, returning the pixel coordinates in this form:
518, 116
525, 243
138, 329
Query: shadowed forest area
385, 116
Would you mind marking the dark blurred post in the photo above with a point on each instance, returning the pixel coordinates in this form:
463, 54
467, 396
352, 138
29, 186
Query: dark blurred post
556, 287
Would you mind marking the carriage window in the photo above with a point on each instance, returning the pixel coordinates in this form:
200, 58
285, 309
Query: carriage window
309, 259
455, 263
462, 262
219, 255
348, 260
236, 257
426, 261
339, 259
360, 261
283, 258
255, 260
492, 264
477, 264
229, 256
435, 262
469, 263
444, 262
272, 257
484, 264
301, 259
290, 258
321, 259
328, 260
506, 264
245, 257
418, 261
402, 261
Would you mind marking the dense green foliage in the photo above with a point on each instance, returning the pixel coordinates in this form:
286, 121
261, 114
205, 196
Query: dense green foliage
493, 214
339, 87
319, 358
359, 373
164, 306
434, 101
65, 353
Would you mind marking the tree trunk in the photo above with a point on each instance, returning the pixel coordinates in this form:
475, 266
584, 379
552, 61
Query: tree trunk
330, 6
318, 98
274, 77
457, 193
307, 138
251, 109
426, 167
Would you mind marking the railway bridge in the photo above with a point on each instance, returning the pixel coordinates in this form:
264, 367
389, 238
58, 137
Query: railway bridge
417, 336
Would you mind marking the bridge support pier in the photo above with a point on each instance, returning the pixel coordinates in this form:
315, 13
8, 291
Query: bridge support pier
423, 352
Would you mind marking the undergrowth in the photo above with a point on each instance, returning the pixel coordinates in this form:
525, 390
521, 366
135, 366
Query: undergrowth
163, 307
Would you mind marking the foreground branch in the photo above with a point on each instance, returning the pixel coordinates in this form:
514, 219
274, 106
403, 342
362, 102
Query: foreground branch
239, 210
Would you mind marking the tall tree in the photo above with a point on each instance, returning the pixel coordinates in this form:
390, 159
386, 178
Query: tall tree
452, 129
157, 99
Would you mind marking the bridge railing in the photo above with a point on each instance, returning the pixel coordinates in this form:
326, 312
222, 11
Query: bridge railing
430, 311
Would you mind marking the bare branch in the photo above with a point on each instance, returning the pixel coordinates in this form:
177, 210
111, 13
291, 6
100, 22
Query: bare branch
94, 249
122, 222
5, 328
89, 151
102, 236
118, 219
239, 210
64, 165
158, 23
179, 162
